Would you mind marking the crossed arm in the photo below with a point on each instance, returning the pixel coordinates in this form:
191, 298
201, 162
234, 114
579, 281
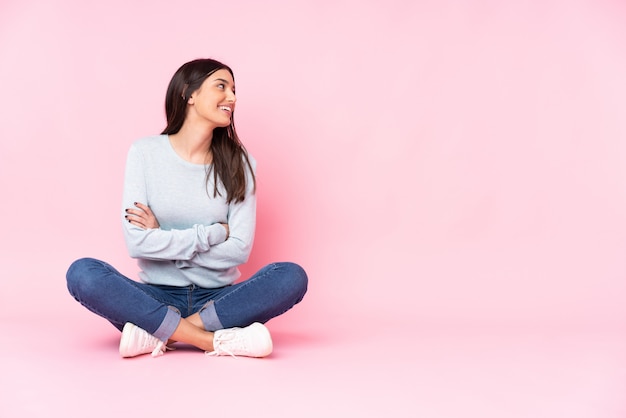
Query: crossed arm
143, 217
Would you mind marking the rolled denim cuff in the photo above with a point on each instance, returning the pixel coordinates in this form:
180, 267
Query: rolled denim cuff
209, 317
169, 324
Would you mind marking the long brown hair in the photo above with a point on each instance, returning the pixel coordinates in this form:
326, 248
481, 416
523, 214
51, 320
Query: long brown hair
230, 157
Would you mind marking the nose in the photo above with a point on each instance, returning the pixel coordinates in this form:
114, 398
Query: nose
231, 96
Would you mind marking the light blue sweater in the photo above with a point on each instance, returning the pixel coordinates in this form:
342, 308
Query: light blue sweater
190, 245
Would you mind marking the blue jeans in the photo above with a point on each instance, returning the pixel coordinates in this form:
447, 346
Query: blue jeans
271, 291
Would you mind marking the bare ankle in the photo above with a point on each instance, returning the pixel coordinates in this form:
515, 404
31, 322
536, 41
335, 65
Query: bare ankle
196, 320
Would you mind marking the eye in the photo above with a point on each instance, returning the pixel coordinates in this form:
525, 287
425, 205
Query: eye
221, 86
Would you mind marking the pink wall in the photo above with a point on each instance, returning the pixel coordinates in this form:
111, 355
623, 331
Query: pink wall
425, 160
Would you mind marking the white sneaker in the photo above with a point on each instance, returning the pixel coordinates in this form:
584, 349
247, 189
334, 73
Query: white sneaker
136, 341
251, 341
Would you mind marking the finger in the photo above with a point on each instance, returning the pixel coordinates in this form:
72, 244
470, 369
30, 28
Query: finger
138, 213
133, 218
137, 209
135, 212
136, 223
143, 207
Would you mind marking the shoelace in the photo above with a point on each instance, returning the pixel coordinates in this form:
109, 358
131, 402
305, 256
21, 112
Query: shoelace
218, 350
160, 349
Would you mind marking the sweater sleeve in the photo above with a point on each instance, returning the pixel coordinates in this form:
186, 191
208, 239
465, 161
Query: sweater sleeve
159, 244
237, 248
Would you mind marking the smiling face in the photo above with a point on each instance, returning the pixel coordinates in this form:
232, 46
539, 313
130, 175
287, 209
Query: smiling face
214, 101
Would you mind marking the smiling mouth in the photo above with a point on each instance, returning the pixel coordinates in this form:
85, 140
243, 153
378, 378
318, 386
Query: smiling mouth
226, 108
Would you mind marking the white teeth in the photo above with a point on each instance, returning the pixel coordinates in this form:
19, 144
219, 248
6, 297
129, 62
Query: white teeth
226, 108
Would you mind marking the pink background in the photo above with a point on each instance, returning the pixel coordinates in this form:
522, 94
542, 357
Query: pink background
451, 174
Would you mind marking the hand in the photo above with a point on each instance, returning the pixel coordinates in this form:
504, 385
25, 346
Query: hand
227, 230
142, 217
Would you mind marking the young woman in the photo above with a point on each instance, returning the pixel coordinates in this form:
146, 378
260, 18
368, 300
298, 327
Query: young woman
189, 213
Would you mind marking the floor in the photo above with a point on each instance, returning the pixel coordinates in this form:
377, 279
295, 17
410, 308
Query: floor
407, 370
